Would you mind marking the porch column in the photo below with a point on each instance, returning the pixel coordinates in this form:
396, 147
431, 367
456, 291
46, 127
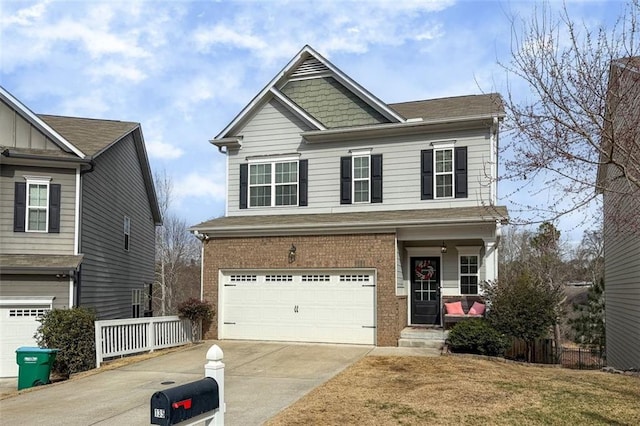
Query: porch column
491, 260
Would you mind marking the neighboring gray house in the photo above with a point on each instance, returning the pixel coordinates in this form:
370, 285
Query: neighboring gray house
621, 199
78, 212
349, 219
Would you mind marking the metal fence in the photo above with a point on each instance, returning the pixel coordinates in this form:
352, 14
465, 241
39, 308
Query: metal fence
582, 358
135, 335
543, 351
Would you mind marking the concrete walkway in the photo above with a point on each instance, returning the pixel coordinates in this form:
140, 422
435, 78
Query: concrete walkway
261, 379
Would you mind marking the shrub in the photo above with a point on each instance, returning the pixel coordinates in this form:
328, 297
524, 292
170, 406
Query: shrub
72, 332
195, 310
476, 336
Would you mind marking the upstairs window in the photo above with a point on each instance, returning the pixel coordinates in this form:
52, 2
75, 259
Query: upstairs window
444, 173
127, 232
361, 179
273, 184
37, 205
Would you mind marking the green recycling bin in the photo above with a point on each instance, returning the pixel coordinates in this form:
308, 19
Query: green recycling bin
34, 365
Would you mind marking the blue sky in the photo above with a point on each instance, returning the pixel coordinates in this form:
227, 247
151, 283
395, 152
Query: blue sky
184, 69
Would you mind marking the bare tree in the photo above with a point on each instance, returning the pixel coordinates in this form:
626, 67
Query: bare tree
177, 255
557, 128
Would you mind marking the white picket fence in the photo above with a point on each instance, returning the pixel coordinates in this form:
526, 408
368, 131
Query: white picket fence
135, 335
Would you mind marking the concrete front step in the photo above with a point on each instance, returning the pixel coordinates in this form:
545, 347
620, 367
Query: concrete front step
422, 337
421, 343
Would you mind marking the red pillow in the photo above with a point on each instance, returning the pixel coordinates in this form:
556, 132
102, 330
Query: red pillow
477, 309
454, 308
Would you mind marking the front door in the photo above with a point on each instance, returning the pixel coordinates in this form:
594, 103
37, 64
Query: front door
425, 290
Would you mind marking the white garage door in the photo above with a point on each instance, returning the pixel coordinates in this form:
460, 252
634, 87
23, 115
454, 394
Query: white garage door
336, 307
18, 324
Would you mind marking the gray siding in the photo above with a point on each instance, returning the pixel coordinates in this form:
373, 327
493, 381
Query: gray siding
622, 280
273, 130
17, 286
16, 132
115, 189
37, 242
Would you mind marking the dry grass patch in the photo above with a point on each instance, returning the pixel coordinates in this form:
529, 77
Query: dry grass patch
454, 390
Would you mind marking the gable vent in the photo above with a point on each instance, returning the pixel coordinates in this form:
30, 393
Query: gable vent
308, 67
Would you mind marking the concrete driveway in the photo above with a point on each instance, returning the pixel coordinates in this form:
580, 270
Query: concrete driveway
260, 380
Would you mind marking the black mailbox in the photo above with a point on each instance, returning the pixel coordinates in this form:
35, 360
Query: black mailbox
175, 405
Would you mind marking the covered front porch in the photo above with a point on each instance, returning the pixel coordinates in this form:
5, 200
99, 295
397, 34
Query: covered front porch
439, 264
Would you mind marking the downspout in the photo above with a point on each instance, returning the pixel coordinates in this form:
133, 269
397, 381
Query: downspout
78, 275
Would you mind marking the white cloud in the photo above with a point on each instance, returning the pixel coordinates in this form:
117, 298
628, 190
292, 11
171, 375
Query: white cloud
26, 16
118, 71
163, 150
210, 186
221, 34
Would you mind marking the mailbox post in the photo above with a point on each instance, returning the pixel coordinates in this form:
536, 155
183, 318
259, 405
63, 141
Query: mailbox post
214, 368
195, 402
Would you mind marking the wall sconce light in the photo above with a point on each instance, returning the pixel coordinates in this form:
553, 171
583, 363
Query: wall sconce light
443, 249
292, 254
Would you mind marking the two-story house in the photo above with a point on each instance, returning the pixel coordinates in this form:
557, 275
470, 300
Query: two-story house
78, 212
347, 218
618, 181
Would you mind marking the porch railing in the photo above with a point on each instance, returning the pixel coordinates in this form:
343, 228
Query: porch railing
134, 335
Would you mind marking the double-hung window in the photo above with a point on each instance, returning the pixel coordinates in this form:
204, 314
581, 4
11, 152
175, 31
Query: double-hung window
361, 178
37, 209
127, 232
444, 172
469, 269
273, 184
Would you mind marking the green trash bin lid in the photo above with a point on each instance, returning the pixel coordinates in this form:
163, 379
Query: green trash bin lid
36, 349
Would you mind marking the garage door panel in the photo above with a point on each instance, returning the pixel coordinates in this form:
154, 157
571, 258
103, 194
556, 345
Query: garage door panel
18, 324
303, 306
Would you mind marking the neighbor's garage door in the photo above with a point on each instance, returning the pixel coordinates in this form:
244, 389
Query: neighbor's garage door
301, 307
18, 324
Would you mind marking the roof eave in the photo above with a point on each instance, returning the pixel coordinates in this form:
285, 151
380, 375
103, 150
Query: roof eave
395, 128
375, 227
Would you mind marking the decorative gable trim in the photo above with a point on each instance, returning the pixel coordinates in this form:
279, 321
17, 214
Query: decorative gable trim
302, 114
305, 63
38, 122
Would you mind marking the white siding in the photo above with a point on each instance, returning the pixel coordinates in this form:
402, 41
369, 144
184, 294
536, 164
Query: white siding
273, 130
37, 242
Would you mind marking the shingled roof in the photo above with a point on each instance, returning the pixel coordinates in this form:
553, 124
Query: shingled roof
275, 224
90, 135
453, 107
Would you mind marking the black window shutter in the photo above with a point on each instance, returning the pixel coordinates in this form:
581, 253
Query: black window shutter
426, 168
345, 180
376, 178
54, 208
19, 206
244, 185
461, 172
303, 182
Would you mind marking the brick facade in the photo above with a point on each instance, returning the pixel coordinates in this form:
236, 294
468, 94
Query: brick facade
375, 251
